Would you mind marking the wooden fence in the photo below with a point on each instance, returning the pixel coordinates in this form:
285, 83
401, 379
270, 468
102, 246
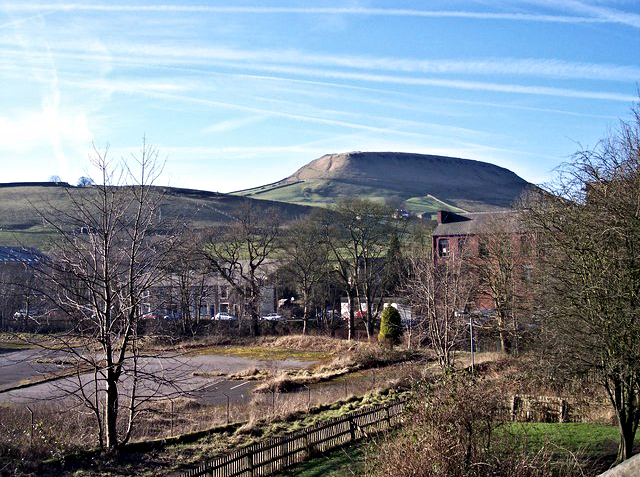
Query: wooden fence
270, 456
527, 408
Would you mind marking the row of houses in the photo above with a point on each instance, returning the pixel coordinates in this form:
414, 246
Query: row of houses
202, 295
198, 295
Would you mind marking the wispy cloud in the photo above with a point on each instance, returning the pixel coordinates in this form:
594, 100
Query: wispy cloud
454, 84
233, 124
357, 11
18, 21
599, 12
177, 55
284, 61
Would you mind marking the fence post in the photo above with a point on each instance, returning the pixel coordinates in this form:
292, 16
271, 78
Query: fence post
32, 425
227, 396
564, 411
250, 460
515, 402
307, 445
386, 408
352, 428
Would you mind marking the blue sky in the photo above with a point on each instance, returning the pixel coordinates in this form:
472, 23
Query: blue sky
241, 93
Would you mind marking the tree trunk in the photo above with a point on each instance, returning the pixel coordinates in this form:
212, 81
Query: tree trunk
255, 326
625, 446
369, 319
625, 402
305, 318
111, 411
351, 315
505, 344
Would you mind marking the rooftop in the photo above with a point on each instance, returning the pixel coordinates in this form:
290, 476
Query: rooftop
450, 223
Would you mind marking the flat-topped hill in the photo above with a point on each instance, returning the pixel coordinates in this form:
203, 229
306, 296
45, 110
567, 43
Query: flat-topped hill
423, 182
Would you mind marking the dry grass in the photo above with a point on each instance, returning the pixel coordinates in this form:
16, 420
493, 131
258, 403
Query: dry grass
56, 431
56, 361
357, 358
312, 343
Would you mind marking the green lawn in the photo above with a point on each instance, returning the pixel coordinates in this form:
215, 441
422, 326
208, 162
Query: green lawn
337, 463
574, 437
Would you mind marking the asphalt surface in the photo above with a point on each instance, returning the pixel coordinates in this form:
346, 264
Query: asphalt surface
18, 365
162, 377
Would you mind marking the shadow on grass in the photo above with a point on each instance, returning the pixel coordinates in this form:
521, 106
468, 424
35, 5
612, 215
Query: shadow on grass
337, 463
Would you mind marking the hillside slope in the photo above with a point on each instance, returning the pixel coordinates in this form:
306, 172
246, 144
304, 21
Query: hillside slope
423, 182
20, 223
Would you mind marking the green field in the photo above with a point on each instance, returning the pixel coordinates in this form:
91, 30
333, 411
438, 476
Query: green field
324, 193
21, 207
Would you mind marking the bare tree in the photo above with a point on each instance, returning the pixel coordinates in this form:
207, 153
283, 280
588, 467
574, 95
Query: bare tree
307, 261
504, 271
589, 229
239, 253
439, 293
188, 283
358, 233
110, 253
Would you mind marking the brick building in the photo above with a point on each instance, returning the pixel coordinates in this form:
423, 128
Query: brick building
491, 243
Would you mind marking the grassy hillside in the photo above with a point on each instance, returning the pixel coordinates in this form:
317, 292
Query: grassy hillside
422, 183
20, 223
324, 193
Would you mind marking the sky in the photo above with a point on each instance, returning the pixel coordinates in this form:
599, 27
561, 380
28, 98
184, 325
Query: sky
236, 94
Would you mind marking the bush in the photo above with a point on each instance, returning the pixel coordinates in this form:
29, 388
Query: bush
390, 326
452, 430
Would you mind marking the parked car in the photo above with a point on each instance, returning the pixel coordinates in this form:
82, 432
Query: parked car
273, 317
223, 315
152, 315
20, 314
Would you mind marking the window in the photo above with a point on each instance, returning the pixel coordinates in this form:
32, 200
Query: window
527, 271
224, 293
443, 247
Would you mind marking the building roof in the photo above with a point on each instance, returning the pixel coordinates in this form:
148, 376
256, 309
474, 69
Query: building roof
20, 255
450, 223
